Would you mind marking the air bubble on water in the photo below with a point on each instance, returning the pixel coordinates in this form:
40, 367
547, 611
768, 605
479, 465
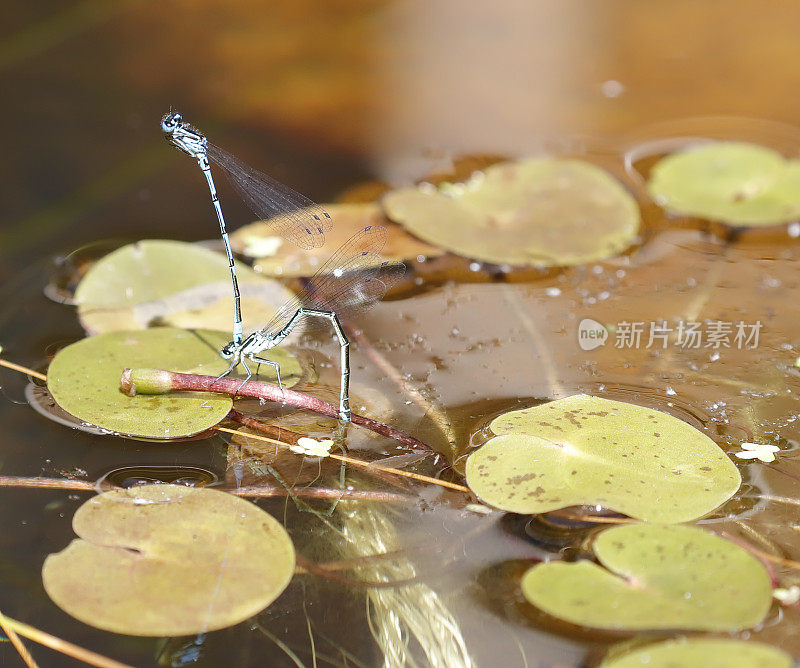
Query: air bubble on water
714, 356
552, 292
605, 294
620, 273
454, 332
591, 300
612, 88
422, 258
670, 392
474, 266
691, 281
793, 230
597, 269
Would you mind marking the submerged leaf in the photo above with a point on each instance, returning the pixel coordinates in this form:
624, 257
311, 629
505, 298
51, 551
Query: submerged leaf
705, 652
168, 560
275, 256
84, 380
542, 212
733, 182
587, 450
655, 577
157, 282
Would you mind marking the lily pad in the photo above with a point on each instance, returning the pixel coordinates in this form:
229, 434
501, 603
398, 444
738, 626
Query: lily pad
168, 560
705, 652
274, 256
541, 212
732, 182
172, 283
83, 378
655, 577
588, 450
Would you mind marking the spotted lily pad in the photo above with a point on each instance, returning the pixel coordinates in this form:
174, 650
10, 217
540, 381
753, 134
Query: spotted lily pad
168, 560
156, 282
705, 652
732, 182
274, 256
83, 378
543, 212
588, 450
655, 577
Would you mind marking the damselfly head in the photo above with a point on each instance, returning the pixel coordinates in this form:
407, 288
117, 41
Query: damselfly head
228, 350
170, 121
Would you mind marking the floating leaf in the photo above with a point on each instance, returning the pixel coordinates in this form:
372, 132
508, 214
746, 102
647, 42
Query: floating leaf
544, 212
40, 399
277, 257
587, 450
84, 380
705, 652
168, 560
732, 182
156, 282
655, 577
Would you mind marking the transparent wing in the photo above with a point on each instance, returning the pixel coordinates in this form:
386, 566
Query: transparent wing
352, 280
292, 215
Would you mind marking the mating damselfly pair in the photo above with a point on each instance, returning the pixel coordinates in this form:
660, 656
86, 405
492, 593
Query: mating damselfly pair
352, 279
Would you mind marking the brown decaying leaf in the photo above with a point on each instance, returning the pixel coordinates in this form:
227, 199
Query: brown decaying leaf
285, 259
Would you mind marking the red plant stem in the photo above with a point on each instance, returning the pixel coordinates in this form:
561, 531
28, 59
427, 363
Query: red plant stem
773, 576
252, 492
158, 381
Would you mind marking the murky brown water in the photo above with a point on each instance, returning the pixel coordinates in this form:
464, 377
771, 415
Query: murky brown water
337, 96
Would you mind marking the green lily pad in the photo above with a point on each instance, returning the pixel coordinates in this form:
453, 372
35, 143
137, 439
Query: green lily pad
275, 256
587, 450
172, 283
541, 212
732, 182
167, 560
703, 653
84, 380
655, 577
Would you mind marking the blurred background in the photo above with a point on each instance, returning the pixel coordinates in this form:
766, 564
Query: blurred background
324, 94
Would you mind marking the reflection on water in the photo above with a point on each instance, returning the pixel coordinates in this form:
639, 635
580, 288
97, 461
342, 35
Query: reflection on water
324, 98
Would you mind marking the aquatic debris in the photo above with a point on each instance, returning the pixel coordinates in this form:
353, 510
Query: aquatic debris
761, 451
312, 447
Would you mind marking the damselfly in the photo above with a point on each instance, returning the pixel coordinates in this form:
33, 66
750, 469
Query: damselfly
354, 278
291, 214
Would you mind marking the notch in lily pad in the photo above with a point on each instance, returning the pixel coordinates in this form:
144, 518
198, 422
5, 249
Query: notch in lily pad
585, 450
655, 577
168, 560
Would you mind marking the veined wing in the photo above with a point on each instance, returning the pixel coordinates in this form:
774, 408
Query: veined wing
352, 280
292, 215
